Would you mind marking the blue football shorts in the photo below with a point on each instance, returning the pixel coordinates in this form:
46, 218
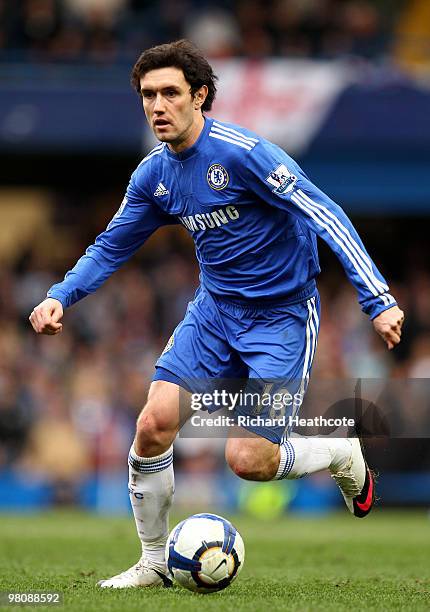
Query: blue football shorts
270, 347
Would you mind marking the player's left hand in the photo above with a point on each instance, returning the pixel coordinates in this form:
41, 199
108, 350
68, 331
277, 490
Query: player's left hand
389, 325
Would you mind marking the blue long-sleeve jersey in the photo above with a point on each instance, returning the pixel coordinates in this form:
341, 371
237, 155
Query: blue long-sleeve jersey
252, 212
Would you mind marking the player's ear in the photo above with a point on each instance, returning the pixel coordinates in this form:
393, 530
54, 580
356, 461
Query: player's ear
200, 97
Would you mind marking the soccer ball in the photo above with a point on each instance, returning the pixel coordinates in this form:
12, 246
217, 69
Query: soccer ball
205, 553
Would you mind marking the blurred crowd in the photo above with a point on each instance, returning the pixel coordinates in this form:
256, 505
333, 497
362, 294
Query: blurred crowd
68, 403
108, 31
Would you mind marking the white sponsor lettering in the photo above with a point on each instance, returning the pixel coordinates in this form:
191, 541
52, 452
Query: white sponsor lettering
210, 220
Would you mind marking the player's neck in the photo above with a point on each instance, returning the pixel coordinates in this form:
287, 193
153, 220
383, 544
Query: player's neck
190, 138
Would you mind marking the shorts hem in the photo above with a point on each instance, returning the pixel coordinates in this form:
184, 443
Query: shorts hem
175, 371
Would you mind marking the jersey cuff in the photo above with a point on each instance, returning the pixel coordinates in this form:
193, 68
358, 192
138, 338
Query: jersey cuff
378, 304
58, 296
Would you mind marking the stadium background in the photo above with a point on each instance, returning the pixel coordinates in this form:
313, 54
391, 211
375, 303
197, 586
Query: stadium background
344, 86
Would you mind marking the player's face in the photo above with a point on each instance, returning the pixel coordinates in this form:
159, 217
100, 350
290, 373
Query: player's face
173, 114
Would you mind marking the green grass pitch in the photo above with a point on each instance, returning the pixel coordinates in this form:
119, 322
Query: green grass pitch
330, 563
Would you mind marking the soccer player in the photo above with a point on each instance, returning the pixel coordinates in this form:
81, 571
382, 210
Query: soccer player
254, 217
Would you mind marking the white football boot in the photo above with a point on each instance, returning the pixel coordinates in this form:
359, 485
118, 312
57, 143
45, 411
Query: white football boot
142, 574
355, 481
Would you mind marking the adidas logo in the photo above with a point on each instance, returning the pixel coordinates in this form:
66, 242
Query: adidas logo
161, 190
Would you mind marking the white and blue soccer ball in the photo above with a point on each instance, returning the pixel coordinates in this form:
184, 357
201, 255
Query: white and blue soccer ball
205, 553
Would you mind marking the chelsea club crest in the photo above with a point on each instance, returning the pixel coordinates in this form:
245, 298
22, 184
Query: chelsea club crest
217, 177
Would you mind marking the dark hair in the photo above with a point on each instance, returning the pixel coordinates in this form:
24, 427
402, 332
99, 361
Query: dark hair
181, 54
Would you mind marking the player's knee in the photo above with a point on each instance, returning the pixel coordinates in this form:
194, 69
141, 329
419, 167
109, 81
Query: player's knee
253, 461
246, 465
154, 431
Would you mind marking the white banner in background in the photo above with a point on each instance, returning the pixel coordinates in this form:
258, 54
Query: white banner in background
285, 101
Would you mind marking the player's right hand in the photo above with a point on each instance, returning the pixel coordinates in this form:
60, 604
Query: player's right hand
45, 318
